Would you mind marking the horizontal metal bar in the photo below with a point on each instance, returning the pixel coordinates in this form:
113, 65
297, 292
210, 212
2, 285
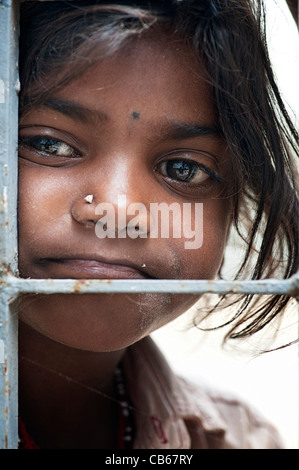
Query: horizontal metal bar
14, 285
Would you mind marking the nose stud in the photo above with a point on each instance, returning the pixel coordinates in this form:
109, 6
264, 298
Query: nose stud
89, 198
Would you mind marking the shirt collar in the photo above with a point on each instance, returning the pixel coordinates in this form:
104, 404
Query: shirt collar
165, 403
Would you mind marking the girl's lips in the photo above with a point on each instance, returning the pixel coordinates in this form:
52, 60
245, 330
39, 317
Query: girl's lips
91, 269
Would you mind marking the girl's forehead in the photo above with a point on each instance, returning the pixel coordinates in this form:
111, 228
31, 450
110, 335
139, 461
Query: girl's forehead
157, 62
158, 68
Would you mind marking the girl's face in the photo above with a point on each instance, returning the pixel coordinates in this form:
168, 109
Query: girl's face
139, 127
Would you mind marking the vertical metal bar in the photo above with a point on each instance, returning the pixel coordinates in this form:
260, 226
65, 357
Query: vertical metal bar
9, 85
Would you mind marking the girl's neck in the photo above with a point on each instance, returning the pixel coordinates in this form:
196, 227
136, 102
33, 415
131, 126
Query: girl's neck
67, 396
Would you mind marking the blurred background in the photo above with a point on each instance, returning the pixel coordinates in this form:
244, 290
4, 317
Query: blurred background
267, 381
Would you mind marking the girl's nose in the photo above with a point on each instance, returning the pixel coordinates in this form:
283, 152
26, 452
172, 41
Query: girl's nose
83, 210
118, 217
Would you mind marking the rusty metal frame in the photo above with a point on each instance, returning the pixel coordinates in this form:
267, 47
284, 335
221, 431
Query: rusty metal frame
9, 86
14, 285
11, 285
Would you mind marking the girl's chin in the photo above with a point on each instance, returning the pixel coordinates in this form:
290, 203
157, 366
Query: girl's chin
98, 323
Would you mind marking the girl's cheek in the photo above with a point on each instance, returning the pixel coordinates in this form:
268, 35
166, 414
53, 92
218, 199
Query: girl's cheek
41, 205
211, 233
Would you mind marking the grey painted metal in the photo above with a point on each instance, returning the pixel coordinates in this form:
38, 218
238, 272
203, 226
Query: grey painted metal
8, 220
13, 286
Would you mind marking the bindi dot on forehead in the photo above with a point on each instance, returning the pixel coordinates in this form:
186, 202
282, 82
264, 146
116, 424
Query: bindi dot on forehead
135, 115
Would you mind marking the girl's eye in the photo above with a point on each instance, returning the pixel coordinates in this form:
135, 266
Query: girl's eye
185, 171
47, 145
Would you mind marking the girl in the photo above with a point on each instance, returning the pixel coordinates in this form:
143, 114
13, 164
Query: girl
169, 102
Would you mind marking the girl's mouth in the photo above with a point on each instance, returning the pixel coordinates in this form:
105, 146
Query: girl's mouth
80, 268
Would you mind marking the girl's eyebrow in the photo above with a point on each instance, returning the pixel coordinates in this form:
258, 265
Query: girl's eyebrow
76, 111
169, 129
181, 131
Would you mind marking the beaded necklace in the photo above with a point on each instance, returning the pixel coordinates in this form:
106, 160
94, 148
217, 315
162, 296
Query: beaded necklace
125, 426
126, 422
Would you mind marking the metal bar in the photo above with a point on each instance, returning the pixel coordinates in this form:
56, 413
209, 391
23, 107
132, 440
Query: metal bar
9, 85
13, 286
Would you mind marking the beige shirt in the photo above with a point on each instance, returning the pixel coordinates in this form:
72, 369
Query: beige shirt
172, 413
